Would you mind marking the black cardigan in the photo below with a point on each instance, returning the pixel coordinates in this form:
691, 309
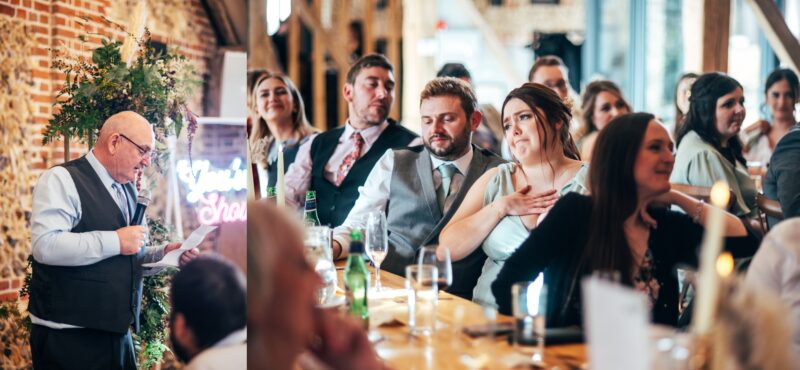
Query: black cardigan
555, 247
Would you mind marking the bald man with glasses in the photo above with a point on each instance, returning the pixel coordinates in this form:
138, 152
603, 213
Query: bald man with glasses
86, 286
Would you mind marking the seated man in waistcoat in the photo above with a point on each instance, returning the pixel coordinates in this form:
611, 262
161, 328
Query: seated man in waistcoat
208, 322
407, 183
86, 286
338, 161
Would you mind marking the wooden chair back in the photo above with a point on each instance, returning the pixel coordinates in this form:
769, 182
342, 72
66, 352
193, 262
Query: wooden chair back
702, 193
767, 208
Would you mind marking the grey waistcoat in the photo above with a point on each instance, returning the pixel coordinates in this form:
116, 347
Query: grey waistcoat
414, 218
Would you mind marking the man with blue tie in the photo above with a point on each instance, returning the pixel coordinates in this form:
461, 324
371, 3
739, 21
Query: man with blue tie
86, 285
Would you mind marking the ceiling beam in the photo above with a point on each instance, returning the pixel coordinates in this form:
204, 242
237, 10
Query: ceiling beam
774, 26
513, 78
221, 21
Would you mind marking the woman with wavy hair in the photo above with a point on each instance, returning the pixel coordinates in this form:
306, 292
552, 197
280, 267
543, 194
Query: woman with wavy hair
279, 121
613, 229
709, 149
602, 102
508, 201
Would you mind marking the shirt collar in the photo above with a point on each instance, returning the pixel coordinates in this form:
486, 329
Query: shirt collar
236, 337
101, 171
369, 134
462, 163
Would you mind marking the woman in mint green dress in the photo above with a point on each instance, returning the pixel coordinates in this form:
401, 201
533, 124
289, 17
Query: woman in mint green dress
508, 201
708, 147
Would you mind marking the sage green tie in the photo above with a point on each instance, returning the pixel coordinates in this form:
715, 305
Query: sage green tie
447, 171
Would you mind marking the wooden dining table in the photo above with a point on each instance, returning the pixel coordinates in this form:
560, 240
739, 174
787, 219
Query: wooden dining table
449, 347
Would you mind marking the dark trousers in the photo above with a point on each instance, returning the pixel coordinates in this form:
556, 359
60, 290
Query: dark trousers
81, 349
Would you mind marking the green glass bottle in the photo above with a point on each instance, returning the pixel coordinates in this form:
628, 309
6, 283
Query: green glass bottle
356, 279
310, 217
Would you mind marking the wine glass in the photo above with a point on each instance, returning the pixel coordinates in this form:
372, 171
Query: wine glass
427, 256
377, 242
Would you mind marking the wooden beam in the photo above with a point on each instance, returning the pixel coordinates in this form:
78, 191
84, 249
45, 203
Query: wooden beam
342, 7
311, 20
368, 27
780, 38
294, 48
395, 12
496, 49
318, 75
259, 40
221, 20
716, 35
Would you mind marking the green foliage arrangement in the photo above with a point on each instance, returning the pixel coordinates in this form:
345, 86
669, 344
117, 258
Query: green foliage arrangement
150, 341
155, 85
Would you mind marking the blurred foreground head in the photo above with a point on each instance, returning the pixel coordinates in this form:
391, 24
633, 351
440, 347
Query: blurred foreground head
282, 288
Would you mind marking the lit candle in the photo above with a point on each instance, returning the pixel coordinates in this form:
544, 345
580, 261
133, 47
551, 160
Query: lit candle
280, 192
708, 277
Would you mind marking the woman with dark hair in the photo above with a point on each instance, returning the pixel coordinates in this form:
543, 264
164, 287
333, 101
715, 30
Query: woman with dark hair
682, 93
508, 201
279, 120
781, 93
613, 229
602, 102
708, 147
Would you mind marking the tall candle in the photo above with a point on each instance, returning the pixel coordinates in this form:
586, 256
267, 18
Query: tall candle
280, 191
708, 277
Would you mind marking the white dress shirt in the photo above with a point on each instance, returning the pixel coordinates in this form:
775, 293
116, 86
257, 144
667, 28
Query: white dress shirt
374, 195
230, 353
776, 268
57, 210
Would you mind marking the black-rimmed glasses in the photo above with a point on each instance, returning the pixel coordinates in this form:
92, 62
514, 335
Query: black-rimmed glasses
142, 151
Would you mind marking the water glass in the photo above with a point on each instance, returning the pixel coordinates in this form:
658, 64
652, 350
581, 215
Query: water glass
421, 284
529, 302
320, 255
427, 256
377, 241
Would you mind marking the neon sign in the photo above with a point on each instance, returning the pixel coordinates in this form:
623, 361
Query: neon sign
205, 185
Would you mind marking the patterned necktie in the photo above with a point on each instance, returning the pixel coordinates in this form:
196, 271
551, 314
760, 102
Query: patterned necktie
122, 202
350, 159
447, 171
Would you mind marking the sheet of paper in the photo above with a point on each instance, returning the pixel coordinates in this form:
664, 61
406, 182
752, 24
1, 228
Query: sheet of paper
616, 320
172, 258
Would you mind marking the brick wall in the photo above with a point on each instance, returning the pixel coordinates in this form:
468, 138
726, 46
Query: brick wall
57, 24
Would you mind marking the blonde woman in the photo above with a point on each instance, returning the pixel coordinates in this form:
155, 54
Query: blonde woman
279, 121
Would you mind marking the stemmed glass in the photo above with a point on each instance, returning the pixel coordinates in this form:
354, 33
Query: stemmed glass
427, 256
377, 242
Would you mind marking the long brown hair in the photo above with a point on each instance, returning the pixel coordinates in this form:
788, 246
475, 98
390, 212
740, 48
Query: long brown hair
702, 114
300, 125
589, 99
614, 197
549, 110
